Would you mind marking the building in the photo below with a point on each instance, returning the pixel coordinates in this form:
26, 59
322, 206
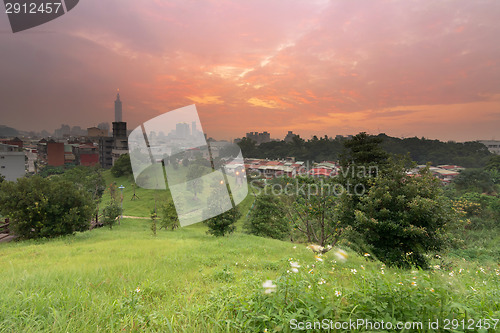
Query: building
120, 141
13, 142
55, 153
86, 154
259, 137
96, 132
492, 145
12, 162
118, 108
289, 137
105, 152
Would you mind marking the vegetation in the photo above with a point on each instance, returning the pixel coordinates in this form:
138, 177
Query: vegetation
169, 219
110, 214
39, 207
421, 150
267, 219
122, 166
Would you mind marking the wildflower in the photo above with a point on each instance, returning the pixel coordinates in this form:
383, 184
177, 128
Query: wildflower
400, 283
460, 270
316, 248
137, 290
437, 267
362, 267
382, 272
497, 272
414, 278
294, 247
482, 270
322, 281
311, 271
409, 253
353, 270
309, 286
318, 258
451, 274
471, 287
295, 266
413, 283
269, 287
341, 255
432, 290
338, 293
366, 254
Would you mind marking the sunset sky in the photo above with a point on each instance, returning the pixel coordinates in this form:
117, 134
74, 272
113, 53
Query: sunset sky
405, 68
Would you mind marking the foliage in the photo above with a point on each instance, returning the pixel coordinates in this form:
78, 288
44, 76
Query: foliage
168, 216
223, 224
313, 210
2, 178
49, 170
194, 182
40, 207
402, 217
110, 213
220, 224
122, 166
154, 217
267, 218
474, 180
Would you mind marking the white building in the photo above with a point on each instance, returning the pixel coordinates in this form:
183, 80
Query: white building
12, 162
492, 145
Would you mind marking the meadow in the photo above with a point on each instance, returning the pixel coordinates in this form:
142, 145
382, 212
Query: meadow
126, 279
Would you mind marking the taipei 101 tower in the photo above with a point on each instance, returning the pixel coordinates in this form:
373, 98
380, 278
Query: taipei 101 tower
118, 108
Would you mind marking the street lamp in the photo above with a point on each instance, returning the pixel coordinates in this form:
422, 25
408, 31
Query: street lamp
121, 188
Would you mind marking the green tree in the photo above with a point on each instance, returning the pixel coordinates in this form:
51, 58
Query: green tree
168, 216
267, 218
404, 217
194, 182
2, 178
474, 180
40, 207
111, 213
122, 166
222, 223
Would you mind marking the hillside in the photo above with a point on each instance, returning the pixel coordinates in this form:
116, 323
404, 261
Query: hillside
128, 280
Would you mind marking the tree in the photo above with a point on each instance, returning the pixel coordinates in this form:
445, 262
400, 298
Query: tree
88, 179
122, 166
194, 181
40, 207
313, 210
403, 217
169, 218
221, 223
474, 180
111, 213
2, 178
267, 218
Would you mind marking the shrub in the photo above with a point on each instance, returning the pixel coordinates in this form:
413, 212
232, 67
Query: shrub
404, 217
122, 166
40, 207
110, 214
168, 217
267, 218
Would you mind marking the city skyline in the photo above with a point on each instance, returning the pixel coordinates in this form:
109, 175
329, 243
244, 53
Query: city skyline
402, 68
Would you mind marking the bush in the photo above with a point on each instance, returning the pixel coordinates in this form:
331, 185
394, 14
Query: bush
223, 224
40, 207
122, 166
402, 218
267, 218
110, 214
168, 217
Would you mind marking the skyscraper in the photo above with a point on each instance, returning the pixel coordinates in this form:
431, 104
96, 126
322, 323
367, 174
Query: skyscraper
118, 108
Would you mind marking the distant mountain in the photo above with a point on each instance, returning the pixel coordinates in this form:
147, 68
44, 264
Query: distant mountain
6, 131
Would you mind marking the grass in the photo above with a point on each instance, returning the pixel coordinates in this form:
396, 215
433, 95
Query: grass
128, 280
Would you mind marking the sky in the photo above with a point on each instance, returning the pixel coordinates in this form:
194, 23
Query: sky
405, 68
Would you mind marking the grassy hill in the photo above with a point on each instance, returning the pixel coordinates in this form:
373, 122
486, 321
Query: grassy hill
128, 280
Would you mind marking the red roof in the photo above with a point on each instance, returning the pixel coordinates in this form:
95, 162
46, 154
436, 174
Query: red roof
320, 172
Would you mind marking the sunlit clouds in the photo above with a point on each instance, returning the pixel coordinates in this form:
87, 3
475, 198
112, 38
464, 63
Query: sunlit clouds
406, 68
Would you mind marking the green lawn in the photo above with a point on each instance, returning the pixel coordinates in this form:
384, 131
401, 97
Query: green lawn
127, 280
